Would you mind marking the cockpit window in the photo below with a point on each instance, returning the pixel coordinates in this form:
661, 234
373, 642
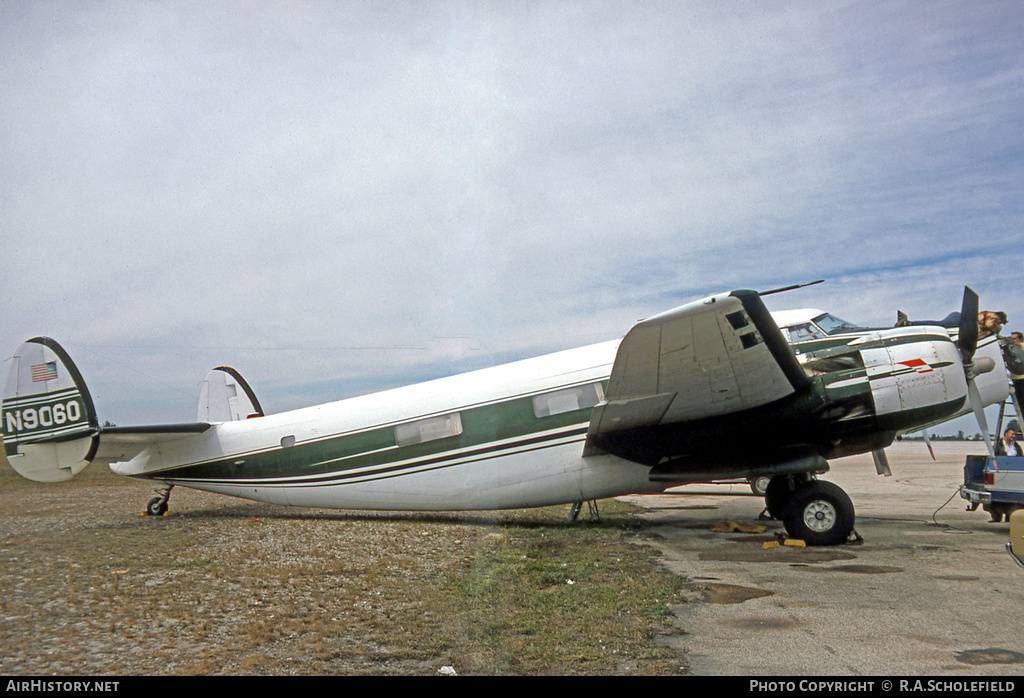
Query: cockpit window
804, 333
833, 325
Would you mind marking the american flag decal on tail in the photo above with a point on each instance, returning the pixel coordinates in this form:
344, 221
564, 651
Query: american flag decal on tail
44, 372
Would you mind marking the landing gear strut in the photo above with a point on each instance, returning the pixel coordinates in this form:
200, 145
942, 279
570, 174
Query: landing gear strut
574, 511
778, 492
158, 505
814, 511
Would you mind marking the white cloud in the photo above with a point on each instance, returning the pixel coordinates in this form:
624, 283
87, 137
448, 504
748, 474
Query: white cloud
401, 187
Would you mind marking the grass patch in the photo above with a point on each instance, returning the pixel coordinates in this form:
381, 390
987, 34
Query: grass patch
563, 600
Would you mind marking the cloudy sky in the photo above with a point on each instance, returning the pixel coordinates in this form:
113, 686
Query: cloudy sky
336, 197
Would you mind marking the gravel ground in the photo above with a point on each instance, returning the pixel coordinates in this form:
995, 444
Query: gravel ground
89, 586
217, 587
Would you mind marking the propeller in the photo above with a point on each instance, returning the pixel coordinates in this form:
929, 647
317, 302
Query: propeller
967, 341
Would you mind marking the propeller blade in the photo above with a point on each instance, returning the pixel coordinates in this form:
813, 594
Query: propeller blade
881, 462
967, 339
979, 414
928, 443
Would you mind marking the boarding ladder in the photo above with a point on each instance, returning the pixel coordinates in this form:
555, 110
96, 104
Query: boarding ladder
1010, 408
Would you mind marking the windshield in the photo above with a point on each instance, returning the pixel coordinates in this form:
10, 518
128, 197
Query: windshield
803, 333
833, 325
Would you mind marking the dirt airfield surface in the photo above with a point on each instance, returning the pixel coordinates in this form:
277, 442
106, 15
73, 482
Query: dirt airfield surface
89, 586
929, 591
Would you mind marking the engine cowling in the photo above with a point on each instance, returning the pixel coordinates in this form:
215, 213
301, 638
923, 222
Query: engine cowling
917, 377
910, 372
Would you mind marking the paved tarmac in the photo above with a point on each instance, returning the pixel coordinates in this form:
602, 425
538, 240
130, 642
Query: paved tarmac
931, 590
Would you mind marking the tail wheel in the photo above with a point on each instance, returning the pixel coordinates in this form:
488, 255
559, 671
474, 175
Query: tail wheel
819, 513
157, 506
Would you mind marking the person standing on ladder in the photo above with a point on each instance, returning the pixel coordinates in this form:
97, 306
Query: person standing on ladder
1016, 378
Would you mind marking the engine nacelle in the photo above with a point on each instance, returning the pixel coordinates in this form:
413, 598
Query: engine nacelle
917, 376
911, 371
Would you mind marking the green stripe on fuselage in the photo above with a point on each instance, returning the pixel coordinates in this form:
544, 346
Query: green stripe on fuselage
817, 345
503, 421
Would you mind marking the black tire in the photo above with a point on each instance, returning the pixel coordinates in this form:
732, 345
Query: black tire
819, 513
157, 506
780, 488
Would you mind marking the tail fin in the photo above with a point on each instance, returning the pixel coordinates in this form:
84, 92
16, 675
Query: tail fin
226, 397
50, 430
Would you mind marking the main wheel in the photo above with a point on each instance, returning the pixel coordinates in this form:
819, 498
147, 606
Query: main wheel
819, 513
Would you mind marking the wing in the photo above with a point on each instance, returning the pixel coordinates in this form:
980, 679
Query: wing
710, 358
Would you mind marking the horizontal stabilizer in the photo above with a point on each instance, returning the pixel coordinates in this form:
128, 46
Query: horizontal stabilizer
124, 443
50, 429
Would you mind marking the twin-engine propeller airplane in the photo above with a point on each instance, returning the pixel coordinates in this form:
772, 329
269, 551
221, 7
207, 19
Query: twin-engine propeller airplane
712, 390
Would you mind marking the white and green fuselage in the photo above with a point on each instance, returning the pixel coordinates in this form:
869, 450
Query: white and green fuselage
504, 437
711, 390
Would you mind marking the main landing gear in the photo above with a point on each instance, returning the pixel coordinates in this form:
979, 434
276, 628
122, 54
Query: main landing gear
158, 505
814, 511
574, 511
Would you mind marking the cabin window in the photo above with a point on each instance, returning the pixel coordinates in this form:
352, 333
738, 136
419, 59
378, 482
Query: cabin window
287, 441
567, 400
429, 429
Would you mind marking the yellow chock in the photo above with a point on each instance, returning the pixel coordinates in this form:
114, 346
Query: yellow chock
795, 543
770, 544
1016, 545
